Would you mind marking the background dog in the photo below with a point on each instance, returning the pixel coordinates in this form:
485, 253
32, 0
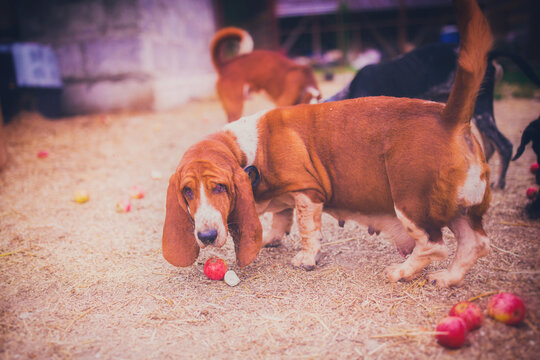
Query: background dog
428, 72
285, 82
412, 172
531, 134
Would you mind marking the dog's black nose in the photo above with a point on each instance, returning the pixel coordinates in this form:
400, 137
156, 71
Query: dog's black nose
207, 237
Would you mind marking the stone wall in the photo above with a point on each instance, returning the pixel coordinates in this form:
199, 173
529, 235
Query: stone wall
125, 54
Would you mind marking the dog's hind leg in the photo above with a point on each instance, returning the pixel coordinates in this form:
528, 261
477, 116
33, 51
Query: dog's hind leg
231, 95
308, 217
472, 243
428, 247
281, 226
486, 125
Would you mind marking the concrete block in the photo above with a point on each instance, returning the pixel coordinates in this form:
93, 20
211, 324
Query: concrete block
86, 19
167, 58
112, 57
70, 60
121, 14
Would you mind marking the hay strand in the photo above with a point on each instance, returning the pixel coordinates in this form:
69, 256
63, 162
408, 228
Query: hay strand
11, 253
482, 295
162, 298
340, 241
78, 318
531, 325
408, 333
518, 223
502, 250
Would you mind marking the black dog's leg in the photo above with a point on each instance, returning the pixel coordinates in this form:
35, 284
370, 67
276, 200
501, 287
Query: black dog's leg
533, 209
486, 125
485, 121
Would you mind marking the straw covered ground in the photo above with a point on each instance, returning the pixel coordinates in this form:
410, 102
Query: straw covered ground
83, 281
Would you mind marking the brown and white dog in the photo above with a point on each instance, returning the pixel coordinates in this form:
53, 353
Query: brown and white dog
415, 170
285, 82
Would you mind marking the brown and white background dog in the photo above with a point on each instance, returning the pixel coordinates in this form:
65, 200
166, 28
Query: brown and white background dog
415, 170
283, 80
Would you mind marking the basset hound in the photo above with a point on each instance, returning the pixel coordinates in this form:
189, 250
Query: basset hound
415, 170
283, 80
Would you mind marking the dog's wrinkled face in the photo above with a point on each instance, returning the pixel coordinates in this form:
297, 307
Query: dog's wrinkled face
209, 197
207, 193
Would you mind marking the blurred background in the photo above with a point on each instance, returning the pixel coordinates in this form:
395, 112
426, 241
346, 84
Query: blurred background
66, 57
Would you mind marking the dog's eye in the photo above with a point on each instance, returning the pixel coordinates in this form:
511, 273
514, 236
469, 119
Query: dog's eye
220, 188
188, 193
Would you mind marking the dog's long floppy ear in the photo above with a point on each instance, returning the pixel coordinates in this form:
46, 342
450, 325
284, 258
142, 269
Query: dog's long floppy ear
178, 242
244, 224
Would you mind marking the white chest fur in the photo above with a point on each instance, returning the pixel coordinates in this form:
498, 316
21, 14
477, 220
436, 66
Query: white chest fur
247, 136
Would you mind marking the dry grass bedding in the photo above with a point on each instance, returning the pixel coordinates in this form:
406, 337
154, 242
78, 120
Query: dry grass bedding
83, 281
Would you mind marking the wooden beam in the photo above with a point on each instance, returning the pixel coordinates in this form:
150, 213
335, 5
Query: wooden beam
295, 34
316, 44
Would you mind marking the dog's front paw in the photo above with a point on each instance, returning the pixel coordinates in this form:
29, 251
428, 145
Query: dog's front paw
403, 271
306, 260
444, 278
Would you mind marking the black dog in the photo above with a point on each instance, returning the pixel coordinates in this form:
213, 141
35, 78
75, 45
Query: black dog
428, 73
532, 134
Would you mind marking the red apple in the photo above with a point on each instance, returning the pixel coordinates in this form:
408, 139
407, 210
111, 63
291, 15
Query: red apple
534, 168
42, 154
104, 119
123, 206
507, 308
532, 192
136, 192
215, 268
469, 312
453, 332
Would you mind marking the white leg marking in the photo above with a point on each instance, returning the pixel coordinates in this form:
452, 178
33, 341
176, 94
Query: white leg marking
247, 135
424, 252
470, 246
209, 218
315, 94
308, 216
473, 190
281, 225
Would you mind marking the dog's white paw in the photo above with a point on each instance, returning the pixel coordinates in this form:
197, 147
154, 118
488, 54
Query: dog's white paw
444, 278
397, 272
306, 260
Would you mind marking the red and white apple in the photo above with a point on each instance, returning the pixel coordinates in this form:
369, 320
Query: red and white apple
506, 308
215, 268
468, 311
452, 332
123, 206
136, 192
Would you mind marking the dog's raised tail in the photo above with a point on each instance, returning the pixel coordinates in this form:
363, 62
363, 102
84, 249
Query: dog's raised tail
227, 34
475, 42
